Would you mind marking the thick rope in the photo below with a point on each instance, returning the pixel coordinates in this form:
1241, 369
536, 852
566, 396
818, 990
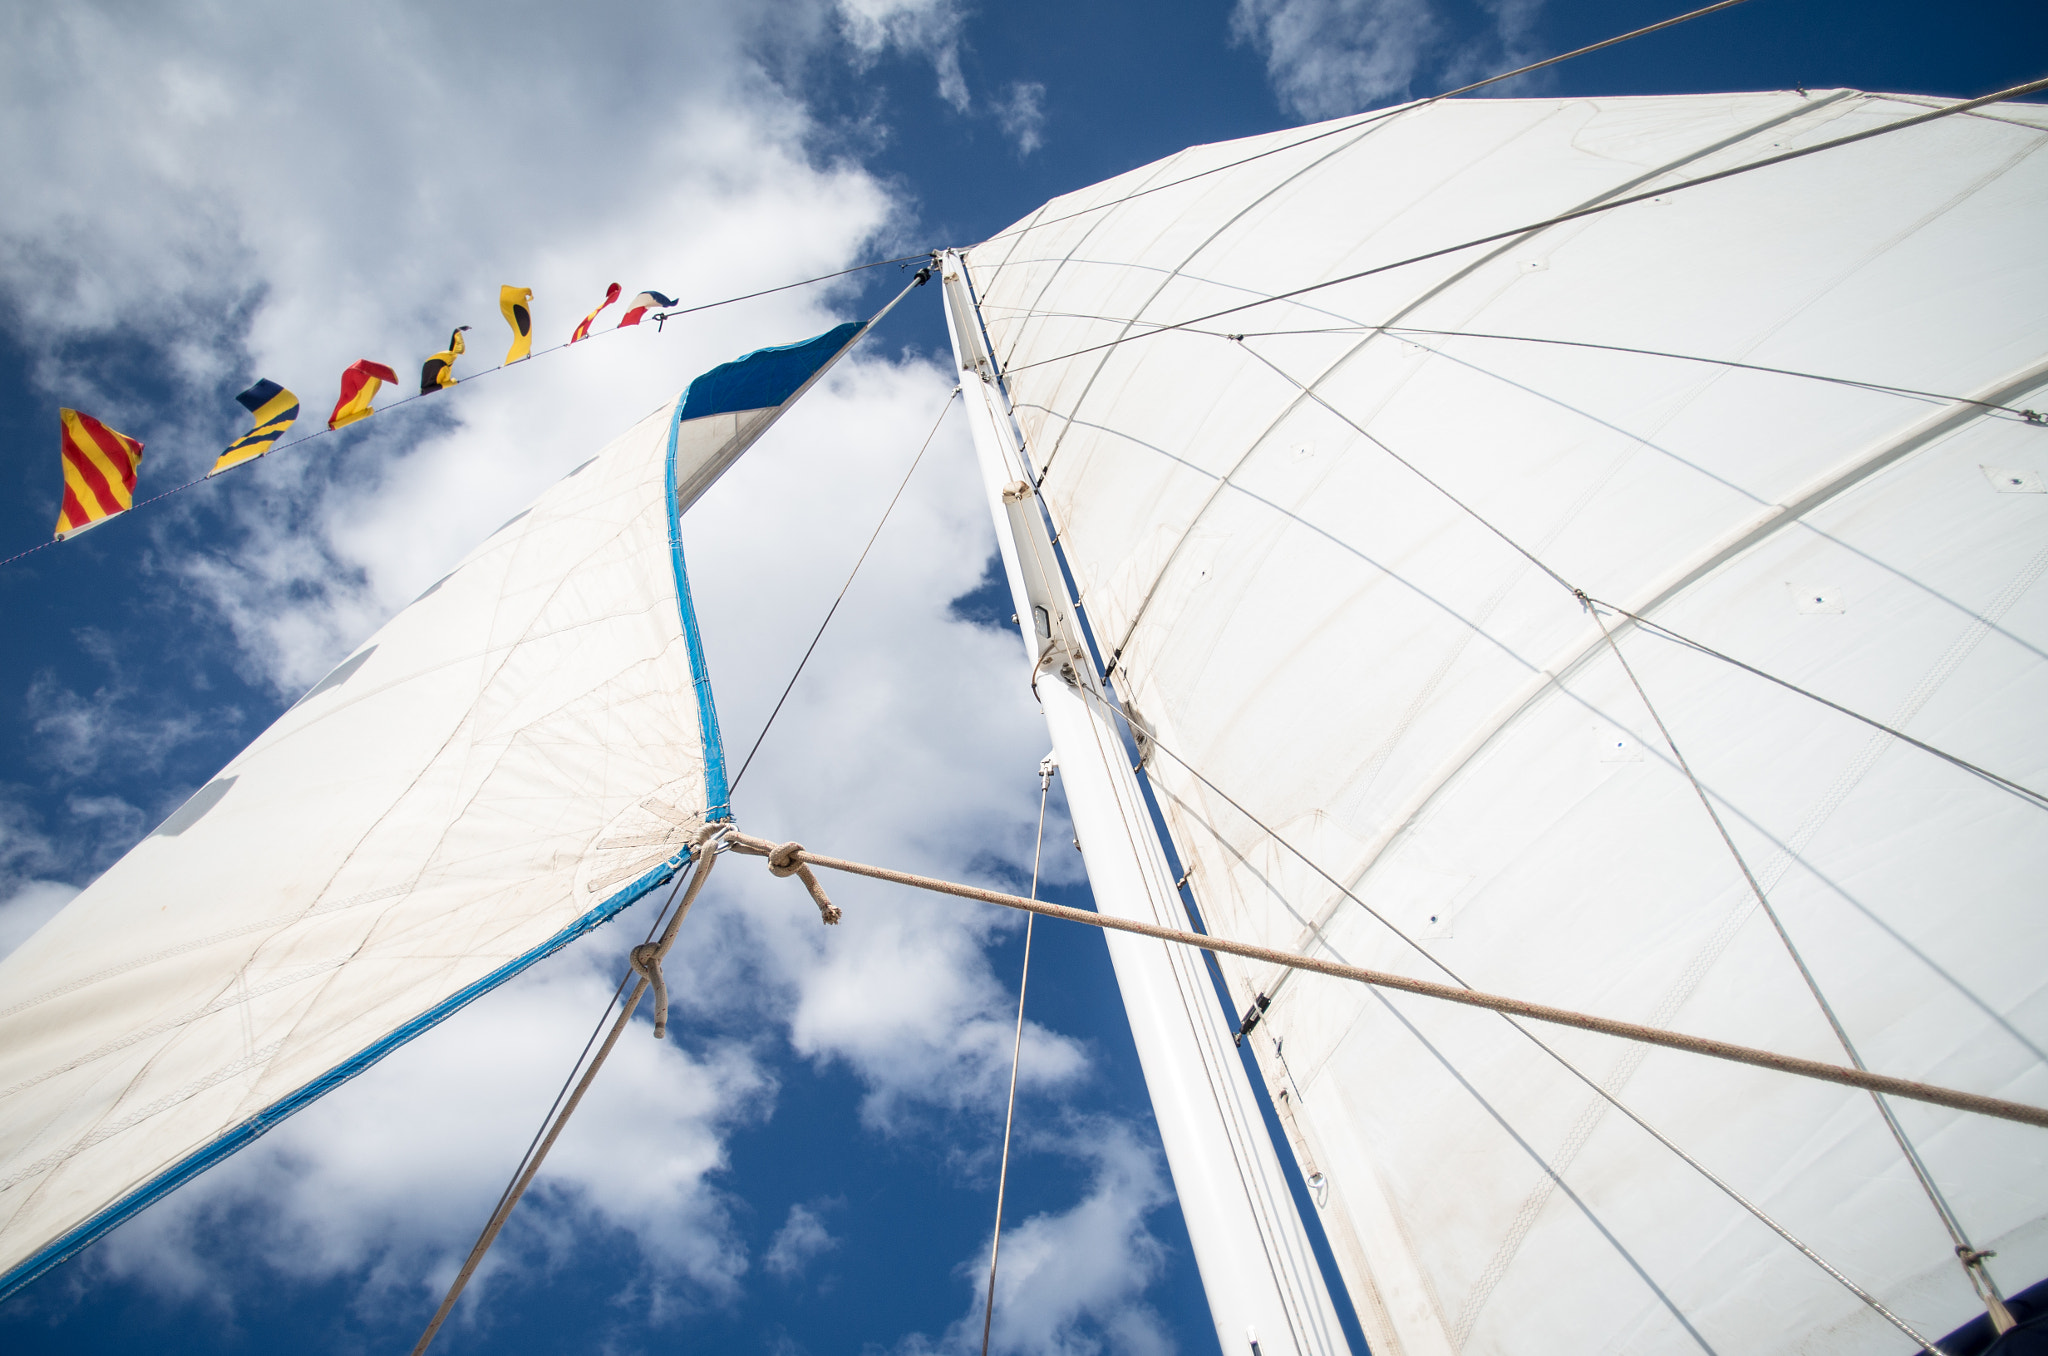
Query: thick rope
642, 961
1936, 1095
995, 1246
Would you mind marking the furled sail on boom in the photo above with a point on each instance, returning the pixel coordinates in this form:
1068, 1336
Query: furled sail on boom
524, 751
1338, 496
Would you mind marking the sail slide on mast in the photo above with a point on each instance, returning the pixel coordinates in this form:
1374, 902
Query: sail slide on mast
1337, 556
521, 753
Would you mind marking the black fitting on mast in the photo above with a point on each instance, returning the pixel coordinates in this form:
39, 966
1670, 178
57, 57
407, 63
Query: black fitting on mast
1251, 1016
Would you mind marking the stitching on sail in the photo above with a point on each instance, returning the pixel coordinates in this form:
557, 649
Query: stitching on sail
199, 943
159, 1106
239, 999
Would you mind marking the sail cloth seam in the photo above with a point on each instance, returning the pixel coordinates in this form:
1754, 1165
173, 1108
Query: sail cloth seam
1720, 1184
271, 1116
2015, 92
1965, 1250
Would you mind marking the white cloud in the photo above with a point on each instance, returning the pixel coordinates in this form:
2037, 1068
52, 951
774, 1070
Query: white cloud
31, 905
372, 1179
1071, 1283
253, 199
1022, 115
1326, 58
802, 1237
929, 28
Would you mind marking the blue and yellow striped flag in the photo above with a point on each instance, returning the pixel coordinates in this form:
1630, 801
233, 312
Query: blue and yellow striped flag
275, 409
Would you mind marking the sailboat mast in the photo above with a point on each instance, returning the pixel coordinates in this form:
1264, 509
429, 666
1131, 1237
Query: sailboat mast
1257, 1267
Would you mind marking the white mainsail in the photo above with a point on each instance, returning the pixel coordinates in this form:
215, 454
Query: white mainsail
524, 751
1327, 548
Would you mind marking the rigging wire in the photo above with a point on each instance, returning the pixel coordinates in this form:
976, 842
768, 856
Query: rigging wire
2025, 415
1972, 1260
995, 1245
1658, 629
705, 851
1377, 116
476, 376
1561, 218
829, 612
1727, 1188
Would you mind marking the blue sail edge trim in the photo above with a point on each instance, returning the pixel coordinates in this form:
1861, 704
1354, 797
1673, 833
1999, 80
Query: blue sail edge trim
270, 1117
717, 799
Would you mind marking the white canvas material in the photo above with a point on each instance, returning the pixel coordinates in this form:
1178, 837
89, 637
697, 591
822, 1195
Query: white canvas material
1391, 691
509, 761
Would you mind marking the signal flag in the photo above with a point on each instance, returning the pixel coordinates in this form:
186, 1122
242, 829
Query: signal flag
99, 472
275, 408
438, 372
517, 305
359, 386
583, 330
641, 305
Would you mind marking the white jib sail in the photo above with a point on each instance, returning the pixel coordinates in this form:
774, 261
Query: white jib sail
1393, 692
522, 752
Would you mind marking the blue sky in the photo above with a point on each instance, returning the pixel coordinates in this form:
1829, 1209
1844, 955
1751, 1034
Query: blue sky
201, 196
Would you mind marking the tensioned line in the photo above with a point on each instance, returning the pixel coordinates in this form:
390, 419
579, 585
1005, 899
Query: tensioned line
1932, 115
1367, 120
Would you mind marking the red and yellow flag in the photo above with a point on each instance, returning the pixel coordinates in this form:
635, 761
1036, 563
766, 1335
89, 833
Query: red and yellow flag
99, 472
583, 330
359, 386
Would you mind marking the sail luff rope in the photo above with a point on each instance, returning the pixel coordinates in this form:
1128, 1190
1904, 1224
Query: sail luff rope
995, 1244
1969, 1256
831, 611
1367, 120
1951, 110
706, 854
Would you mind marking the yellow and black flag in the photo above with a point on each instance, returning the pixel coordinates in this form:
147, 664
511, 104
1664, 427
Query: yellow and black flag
275, 409
99, 472
517, 304
438, 372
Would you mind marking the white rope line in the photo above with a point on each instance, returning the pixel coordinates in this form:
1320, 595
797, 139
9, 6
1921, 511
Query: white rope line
706, 855
995, 1245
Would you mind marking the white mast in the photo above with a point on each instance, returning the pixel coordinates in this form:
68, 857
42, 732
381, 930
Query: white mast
1262, 1280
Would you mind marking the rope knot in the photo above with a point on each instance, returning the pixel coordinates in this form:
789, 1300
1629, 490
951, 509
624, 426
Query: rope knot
785, 861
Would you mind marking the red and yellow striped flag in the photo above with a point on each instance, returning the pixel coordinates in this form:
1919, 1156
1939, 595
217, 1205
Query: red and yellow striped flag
583, 330
99, 472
